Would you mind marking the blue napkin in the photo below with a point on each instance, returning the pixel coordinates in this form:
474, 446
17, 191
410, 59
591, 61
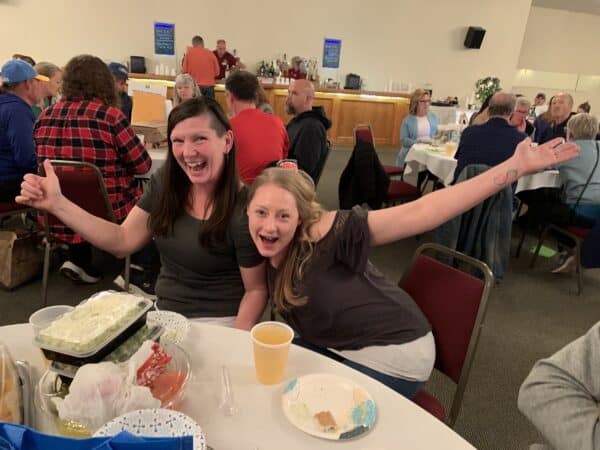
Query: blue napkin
19, 437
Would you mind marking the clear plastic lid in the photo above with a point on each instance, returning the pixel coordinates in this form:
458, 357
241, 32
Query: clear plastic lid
93, 324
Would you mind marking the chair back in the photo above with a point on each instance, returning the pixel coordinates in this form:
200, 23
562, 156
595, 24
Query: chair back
12, 208
363, 132
323, 162
455, 303
83, 184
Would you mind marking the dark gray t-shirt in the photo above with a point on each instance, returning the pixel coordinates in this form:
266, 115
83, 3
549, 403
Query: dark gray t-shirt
194, 281
350, 304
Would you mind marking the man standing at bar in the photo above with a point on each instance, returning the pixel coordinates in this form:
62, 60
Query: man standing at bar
225, 59
308, 128
202, 65
121, 75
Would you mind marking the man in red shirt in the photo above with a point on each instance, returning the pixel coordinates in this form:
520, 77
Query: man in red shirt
225, 59
260, 138
202, 65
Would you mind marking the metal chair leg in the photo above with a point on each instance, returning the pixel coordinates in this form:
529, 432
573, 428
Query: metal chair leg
45, 271
539, 246
579, 268
127, 272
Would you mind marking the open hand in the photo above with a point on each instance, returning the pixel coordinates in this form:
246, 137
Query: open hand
40, 192
532, 158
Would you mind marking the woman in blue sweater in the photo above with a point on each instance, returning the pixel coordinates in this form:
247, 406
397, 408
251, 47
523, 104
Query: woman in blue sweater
419, 126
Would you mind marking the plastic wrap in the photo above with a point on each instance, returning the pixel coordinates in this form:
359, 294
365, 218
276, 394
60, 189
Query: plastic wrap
11, 403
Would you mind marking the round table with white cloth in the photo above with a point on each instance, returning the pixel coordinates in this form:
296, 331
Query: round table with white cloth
260, 422
422, 157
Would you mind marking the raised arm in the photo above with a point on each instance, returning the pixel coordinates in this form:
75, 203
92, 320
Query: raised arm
560, 396
430, 211
120, 240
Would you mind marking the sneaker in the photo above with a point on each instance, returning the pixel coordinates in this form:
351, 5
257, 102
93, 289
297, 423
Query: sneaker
78, 274
568, 266
141, 283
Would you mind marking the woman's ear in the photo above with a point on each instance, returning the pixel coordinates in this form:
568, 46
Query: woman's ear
228, 141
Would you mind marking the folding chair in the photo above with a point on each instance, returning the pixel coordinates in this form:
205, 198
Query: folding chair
364, 132
83, 184
8, 209
578, 235
455, 303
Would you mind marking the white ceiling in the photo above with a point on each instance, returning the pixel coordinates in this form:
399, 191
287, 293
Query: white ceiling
582, 6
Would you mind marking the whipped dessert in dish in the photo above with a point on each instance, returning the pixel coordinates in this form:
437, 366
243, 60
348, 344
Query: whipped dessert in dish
92, 324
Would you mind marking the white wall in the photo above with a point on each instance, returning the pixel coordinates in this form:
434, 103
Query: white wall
559, 54
417, 41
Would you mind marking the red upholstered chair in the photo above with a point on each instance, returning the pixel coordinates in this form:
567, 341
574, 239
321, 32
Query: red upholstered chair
455, 303
577, 235
364, 132
401, 192
83, 184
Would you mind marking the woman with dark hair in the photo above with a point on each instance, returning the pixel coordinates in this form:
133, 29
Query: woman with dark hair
194, 210
482, 115
86, 125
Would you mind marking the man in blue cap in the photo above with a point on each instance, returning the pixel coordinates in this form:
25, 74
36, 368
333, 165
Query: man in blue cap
121, 75
20, 89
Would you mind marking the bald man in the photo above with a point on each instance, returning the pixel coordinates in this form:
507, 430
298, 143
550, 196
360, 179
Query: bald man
561, 109
492, 142
307, 130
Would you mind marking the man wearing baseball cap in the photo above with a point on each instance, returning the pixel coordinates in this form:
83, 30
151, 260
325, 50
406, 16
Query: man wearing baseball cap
21, 90
121, 75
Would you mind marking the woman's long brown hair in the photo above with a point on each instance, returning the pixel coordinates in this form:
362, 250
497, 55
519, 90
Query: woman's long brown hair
174, 197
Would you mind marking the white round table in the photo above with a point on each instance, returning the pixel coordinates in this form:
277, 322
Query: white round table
420, 157
260, 423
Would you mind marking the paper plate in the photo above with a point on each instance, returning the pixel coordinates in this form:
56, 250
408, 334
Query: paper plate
176, 325
155, 423
324, 396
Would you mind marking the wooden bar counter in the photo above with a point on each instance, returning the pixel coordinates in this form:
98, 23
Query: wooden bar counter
346, 108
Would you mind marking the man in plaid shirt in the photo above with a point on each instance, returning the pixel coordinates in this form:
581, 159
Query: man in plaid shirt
87, 125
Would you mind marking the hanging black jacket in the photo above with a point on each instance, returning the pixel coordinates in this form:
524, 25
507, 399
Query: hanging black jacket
363, 180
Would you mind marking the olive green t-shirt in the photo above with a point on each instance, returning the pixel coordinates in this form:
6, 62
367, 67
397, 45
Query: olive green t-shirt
193, 280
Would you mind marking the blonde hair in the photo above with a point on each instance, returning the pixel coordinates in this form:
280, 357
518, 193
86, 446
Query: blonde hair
287, 290
185, 79
414, 100
47, 69
583, 126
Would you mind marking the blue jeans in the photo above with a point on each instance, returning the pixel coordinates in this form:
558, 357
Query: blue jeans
404, 387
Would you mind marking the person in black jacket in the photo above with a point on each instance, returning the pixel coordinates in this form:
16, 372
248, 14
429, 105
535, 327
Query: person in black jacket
121, 75
308, 129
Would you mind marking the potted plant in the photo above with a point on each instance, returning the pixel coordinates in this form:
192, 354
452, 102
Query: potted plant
485, 87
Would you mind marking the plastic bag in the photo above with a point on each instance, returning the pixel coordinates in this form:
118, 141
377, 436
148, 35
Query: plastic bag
110, 388
10, 391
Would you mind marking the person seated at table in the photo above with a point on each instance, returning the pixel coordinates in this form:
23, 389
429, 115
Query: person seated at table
87, 125
492, 142
120, 75
21, 90
560, 395
323, 285
560, 112
185, 87
580, 178
542, 122
193, 207
481, 116
585, 107
419, 126
518, 118
49, 89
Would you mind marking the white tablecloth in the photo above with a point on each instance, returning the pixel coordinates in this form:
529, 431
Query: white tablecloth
260, 422
419, 158
158, 156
